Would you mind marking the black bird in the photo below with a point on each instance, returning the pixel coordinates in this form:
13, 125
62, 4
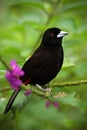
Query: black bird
45, 63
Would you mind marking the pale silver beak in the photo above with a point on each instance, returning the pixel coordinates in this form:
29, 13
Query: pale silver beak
62, 34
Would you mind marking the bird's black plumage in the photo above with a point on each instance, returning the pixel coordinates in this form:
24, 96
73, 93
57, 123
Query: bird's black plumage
45, 63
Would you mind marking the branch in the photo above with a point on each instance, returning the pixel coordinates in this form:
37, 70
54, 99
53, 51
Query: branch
66, 84
4, 63
5, 89
48, 95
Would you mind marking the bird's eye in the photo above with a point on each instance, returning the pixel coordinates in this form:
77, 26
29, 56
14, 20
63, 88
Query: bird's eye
51, 35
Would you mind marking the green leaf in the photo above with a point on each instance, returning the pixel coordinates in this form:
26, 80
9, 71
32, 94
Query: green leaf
68, 63
2, 104
34, 4
6, 122
69, 99
76, 5
20, 102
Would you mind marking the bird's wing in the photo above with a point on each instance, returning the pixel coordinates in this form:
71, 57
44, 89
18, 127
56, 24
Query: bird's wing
38, 59
35, 63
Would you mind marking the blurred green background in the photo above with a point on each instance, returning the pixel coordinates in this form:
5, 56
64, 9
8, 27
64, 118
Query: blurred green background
22, 23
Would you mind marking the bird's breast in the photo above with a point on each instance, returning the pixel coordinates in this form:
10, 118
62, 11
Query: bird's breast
51, 68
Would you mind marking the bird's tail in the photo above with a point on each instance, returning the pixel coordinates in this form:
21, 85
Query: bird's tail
11, 100
14, 94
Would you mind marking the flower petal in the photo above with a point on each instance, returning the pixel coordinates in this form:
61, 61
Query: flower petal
16, 69
55, 104
48, 103
13, 75
13, 80
28, 92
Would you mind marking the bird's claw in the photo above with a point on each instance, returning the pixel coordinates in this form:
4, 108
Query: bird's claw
44, 89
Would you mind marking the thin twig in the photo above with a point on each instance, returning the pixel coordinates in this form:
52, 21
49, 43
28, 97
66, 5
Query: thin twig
4, 63
66, 84
5, 89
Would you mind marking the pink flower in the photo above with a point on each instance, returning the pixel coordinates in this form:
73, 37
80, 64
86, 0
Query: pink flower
51, 103
55, 104
28, 92
13, 75
48, 103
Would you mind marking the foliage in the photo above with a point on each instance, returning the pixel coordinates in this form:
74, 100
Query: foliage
22, 23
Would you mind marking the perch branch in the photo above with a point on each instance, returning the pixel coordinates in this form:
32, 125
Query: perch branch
66, 84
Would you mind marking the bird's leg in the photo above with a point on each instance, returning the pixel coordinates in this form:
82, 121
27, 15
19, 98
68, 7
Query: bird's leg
43, 89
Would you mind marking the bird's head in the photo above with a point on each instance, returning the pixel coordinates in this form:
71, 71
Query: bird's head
53, 37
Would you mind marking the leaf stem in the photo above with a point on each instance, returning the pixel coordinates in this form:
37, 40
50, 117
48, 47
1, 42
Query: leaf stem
4, 63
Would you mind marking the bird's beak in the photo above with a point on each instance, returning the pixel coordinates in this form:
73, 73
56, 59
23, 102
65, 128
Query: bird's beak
62, 34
